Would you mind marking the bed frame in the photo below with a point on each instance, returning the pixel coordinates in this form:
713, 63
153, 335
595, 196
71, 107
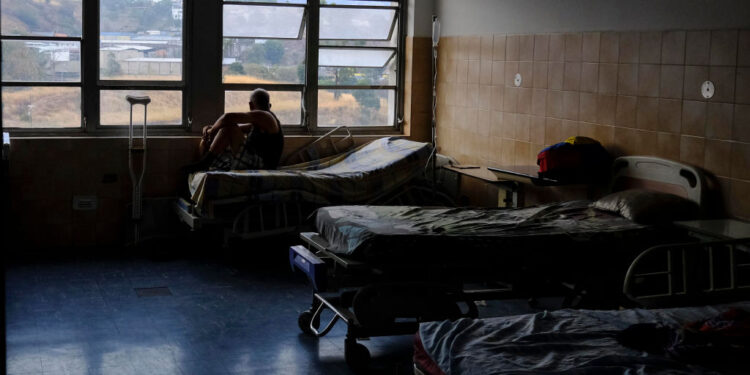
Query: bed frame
358, 293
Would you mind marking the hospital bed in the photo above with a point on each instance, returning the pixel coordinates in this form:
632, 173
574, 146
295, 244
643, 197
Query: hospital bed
383, 269
256, 203
703, 279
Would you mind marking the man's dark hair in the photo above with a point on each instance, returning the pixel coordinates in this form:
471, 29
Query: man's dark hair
261, 99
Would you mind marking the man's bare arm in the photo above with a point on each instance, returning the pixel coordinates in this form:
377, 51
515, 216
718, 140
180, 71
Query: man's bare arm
261, 120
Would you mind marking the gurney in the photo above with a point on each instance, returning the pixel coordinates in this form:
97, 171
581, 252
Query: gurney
382, 270
255, 203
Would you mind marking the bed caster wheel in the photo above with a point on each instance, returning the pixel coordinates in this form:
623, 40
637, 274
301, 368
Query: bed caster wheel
303, 321
357, 356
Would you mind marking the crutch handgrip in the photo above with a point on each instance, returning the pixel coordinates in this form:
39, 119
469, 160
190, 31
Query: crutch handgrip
138, 99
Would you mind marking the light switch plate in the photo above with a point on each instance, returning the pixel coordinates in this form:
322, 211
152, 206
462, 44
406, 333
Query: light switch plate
707, 89
517, 80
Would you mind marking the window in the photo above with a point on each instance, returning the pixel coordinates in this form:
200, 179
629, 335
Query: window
141, 53
336, 60
41, 64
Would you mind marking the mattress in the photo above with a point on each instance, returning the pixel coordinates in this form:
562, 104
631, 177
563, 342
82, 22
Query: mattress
380, 233
357, 176
564, 341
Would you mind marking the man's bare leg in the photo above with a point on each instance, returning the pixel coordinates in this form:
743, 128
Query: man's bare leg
231, 136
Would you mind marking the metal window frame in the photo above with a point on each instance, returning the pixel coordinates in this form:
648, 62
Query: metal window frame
310, 88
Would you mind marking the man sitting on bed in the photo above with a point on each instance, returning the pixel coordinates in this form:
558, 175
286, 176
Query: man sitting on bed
242, 140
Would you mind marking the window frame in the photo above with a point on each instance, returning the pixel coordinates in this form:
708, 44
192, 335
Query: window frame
310, 88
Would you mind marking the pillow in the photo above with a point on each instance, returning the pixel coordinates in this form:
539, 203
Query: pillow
648, 207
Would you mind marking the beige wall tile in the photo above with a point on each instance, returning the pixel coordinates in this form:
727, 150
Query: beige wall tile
462, 71
540, 75
485, 72
539, 102
485, 45
509, 125
555, 103
511, 68
589, 77
496, 124
522, 153
588, 107
590, 48
648, 113
723, 78
625, 114
474, 70
608, 79
510, 99
697, 47
447, 71
499, 42
512, 48
496, 101
483, 123
472, 95
739, 192
647, 143
741, 128
508, 152
627, 79
723, 47
569, 128
553, 131
692, 150
673, 47
485, 96
743, 50
719, 121
474, 48
536, 129
629, 47
694, 78
526, 47
524, 100
460, 90
718, 157
464, 46
649, 80
556, 72
609, 47
571, 104
498, 72
572, 76
672, 78
670, 115
526, 69
557, 47
668, 146
742, 86
627, 140
573, 42
741, 161
523, 127
606, 108
541, 47
650, 47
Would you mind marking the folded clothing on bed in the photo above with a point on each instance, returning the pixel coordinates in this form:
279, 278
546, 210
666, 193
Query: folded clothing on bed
357, 176
564, 341
380, 233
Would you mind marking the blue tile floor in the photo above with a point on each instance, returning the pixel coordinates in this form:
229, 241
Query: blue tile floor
227, 314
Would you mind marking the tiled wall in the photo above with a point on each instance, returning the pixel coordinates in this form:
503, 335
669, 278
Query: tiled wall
636, 92
418, 89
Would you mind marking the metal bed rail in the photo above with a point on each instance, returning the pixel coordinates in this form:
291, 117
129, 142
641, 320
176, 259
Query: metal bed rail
690, 273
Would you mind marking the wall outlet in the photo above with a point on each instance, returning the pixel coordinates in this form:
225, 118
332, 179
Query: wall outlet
84, 202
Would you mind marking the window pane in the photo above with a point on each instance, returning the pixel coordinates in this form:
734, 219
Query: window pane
392, 42
275, 1
365, 58
356, 107
41, 61
263, 61
268, 22
41, 18
287, 105
165, 107
365, 3
353, 23
41, 107
141, 40
358, 76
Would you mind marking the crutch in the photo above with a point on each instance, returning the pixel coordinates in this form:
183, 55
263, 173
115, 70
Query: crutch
134, 149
